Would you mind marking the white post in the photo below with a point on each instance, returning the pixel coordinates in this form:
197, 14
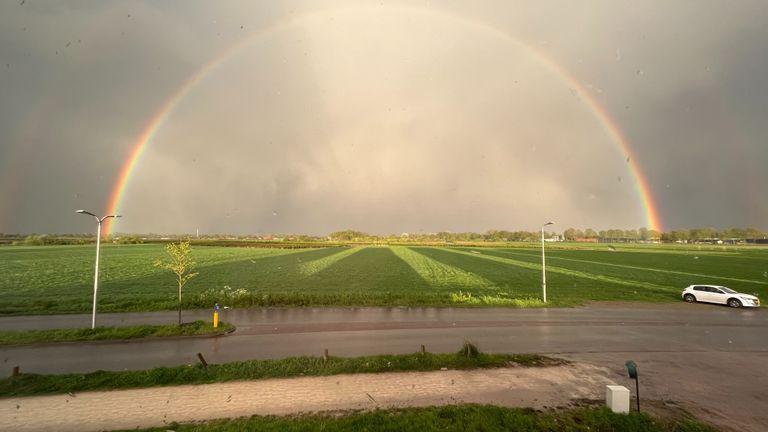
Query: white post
543, 267
617, 398
96, 276
96, 273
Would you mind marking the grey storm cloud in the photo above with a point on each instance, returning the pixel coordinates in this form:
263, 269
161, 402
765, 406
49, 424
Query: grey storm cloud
385, 117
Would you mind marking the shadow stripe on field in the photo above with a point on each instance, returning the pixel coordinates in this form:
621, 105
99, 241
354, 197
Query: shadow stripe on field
439, 274
567, 272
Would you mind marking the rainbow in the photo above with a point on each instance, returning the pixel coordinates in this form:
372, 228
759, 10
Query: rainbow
617, 136
610, 126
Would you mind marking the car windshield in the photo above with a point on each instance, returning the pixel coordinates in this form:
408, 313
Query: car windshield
728, 290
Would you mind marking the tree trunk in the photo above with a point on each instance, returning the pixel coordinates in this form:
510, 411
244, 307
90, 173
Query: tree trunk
179, 303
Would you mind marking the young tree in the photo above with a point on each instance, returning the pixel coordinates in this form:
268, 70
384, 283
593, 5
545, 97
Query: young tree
180, 263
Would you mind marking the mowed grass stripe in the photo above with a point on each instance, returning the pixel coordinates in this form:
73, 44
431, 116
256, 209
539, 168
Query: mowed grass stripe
318, 265
372, 271
437, 273
600, 263
510, 282
567, 272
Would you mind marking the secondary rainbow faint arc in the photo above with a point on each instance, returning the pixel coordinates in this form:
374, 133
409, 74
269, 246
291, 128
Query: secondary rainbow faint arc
609, 125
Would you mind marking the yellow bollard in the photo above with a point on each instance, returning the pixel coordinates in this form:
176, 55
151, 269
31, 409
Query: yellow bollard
216, 316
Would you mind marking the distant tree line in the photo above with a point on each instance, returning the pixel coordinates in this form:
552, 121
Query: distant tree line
708, 234
53, 239
640, 235
694, 235
612, 235
571, 234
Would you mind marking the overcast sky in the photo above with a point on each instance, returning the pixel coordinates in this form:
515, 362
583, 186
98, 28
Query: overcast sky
383, 116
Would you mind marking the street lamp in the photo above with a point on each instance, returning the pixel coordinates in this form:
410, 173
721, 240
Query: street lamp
98, 244
543, 264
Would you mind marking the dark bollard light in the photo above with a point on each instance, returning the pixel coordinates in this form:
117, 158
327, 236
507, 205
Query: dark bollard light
632, 369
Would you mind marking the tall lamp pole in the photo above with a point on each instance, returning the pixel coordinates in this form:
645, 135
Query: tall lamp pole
98, 245
543, 264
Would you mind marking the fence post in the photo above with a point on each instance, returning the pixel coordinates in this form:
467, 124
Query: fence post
202, 359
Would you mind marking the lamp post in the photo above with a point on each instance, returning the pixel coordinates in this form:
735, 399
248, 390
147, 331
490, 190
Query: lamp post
98, 244
543, 264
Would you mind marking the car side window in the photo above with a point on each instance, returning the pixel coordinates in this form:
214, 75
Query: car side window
715, 290
698, 288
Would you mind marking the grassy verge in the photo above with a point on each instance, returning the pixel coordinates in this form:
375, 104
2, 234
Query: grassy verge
454, 418
111, 333
467, 358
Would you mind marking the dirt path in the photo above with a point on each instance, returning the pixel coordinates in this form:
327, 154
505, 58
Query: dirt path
125, 409
727, 389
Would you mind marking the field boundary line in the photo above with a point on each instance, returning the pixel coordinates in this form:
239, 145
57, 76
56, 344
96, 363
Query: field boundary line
567, 272
639, 268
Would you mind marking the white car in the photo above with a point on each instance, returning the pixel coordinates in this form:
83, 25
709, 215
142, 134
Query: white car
719, 294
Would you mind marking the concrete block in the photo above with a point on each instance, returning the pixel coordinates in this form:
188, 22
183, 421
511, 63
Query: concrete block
617, 398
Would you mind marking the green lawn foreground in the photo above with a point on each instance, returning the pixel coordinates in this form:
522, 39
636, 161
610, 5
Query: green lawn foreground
458, 418
196, 328
59, 279
467, 358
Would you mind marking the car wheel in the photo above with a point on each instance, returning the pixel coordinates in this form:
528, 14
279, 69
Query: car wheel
734, 303
689, 298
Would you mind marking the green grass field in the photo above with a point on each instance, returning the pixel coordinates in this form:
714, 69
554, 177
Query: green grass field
452, 418
59, 279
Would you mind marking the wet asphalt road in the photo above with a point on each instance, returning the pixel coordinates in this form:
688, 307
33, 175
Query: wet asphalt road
708, 359
278, 333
